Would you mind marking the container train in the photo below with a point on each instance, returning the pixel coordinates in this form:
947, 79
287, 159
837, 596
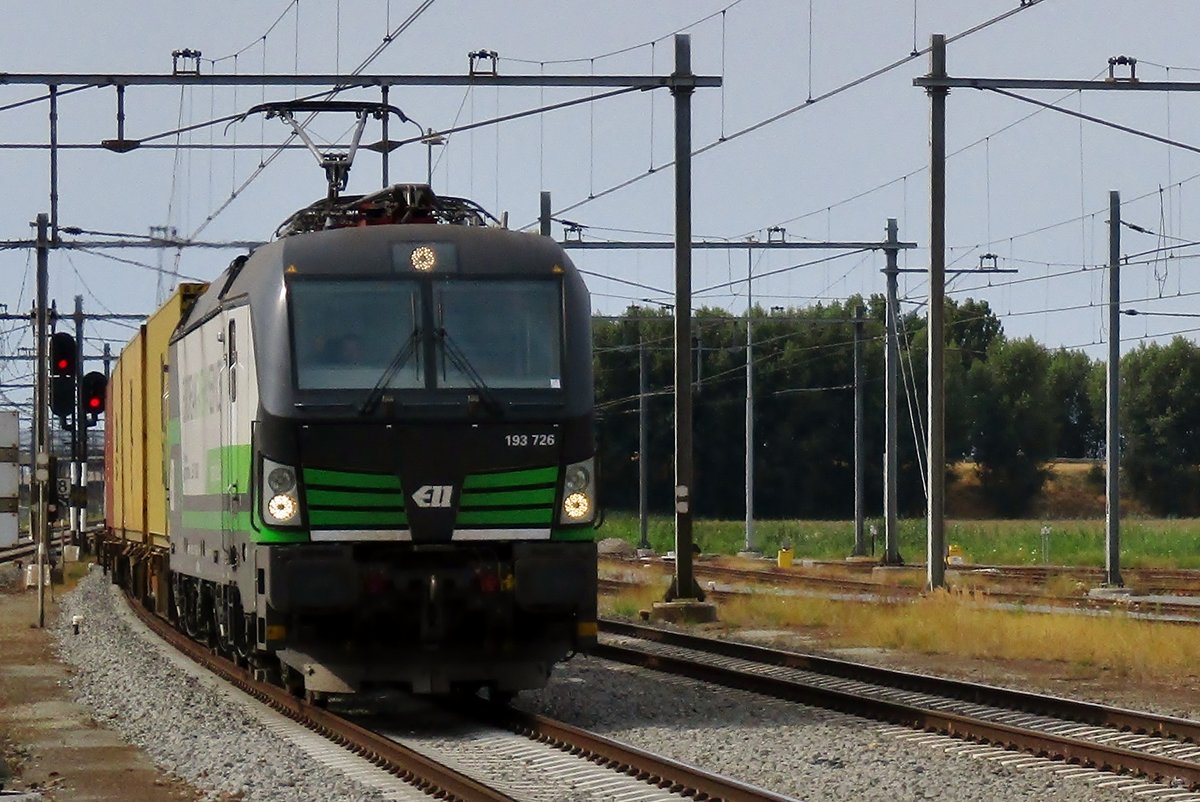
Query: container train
363, 456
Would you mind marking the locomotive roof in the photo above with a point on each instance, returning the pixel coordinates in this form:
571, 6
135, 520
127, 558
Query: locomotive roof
367, 250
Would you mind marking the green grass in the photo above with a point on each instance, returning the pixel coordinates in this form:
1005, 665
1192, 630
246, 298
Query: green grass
1145, 543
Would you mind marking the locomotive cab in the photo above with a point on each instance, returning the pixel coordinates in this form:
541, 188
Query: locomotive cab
384, 466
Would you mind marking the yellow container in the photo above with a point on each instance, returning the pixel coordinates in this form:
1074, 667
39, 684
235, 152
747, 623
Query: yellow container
784, 558
134, 421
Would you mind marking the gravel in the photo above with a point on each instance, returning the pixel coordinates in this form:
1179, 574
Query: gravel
189, 726
805, 752
10, 577
192, 728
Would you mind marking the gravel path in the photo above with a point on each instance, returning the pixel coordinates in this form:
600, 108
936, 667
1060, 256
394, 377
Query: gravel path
192, 727
188, 725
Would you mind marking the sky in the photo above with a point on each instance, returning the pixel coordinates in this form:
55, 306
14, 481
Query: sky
1029, 186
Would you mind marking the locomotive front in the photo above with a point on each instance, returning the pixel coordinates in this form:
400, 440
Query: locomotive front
419, 488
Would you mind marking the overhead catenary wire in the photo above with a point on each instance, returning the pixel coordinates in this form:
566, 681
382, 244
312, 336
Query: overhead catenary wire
1097, 120
628, 48
265, 162
777, 271
917, 170
85, 286
736, 373
809, 103
1134, 338
626, 282
261, 36
135, 263
43, 98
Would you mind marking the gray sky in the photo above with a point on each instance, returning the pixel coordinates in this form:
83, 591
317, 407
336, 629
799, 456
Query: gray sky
1031, 189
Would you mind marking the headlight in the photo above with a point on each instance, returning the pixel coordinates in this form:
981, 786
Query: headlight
281, 479
577, 506
578, 478
280, 496
579, 493
282, 507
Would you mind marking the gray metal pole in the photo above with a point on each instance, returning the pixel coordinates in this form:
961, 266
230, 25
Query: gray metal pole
41, 414
891, 535
386, 153
860, 448
748, 547
935, 552
54, 163
107, 360
78, 433
682, 90
1112, 450
544, 216
643, 448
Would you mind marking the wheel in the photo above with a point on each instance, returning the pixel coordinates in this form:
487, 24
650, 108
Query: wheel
293, 682
499, 698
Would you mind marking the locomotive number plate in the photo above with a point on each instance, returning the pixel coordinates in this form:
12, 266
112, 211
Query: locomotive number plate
524, 440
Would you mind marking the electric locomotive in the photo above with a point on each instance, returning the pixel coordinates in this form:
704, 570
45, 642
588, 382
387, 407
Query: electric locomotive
377, 453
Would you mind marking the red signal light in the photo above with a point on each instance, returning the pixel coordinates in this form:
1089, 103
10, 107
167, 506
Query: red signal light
92, 392
63, 356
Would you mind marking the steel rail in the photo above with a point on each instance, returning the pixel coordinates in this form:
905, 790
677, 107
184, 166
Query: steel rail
29, 549
899, 592
17, 552
1185, 613
670, 775
424, 773
1085, 712
1150, 577
442, 782
1036, 742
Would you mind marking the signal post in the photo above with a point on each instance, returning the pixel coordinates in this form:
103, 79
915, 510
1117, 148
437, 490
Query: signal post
75, 399
39, 526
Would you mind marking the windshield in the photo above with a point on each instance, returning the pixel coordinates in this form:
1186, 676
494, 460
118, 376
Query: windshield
346, 333
507, 331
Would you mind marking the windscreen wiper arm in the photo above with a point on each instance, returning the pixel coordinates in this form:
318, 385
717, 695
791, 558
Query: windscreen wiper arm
464, 366
371, 402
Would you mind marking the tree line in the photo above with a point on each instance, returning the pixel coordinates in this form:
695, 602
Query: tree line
1012, 406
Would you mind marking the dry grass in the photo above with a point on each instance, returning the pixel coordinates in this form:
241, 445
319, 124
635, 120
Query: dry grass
944, 624
631, 601
956, 624
1065, 585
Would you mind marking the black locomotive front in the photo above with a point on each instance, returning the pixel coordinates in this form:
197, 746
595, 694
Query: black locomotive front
425, 486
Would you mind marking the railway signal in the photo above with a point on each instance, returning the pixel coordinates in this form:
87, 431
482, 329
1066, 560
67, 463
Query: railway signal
92, 392
63, 367
62, 354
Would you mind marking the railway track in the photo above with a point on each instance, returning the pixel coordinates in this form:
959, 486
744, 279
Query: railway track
1162, 748
27, 550
1176, 611
1181, 581
21, 551
548, 752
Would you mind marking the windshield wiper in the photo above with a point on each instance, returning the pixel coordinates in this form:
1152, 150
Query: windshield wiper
464, 366
371, 402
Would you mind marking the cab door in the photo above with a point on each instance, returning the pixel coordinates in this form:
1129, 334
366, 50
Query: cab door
233, 484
